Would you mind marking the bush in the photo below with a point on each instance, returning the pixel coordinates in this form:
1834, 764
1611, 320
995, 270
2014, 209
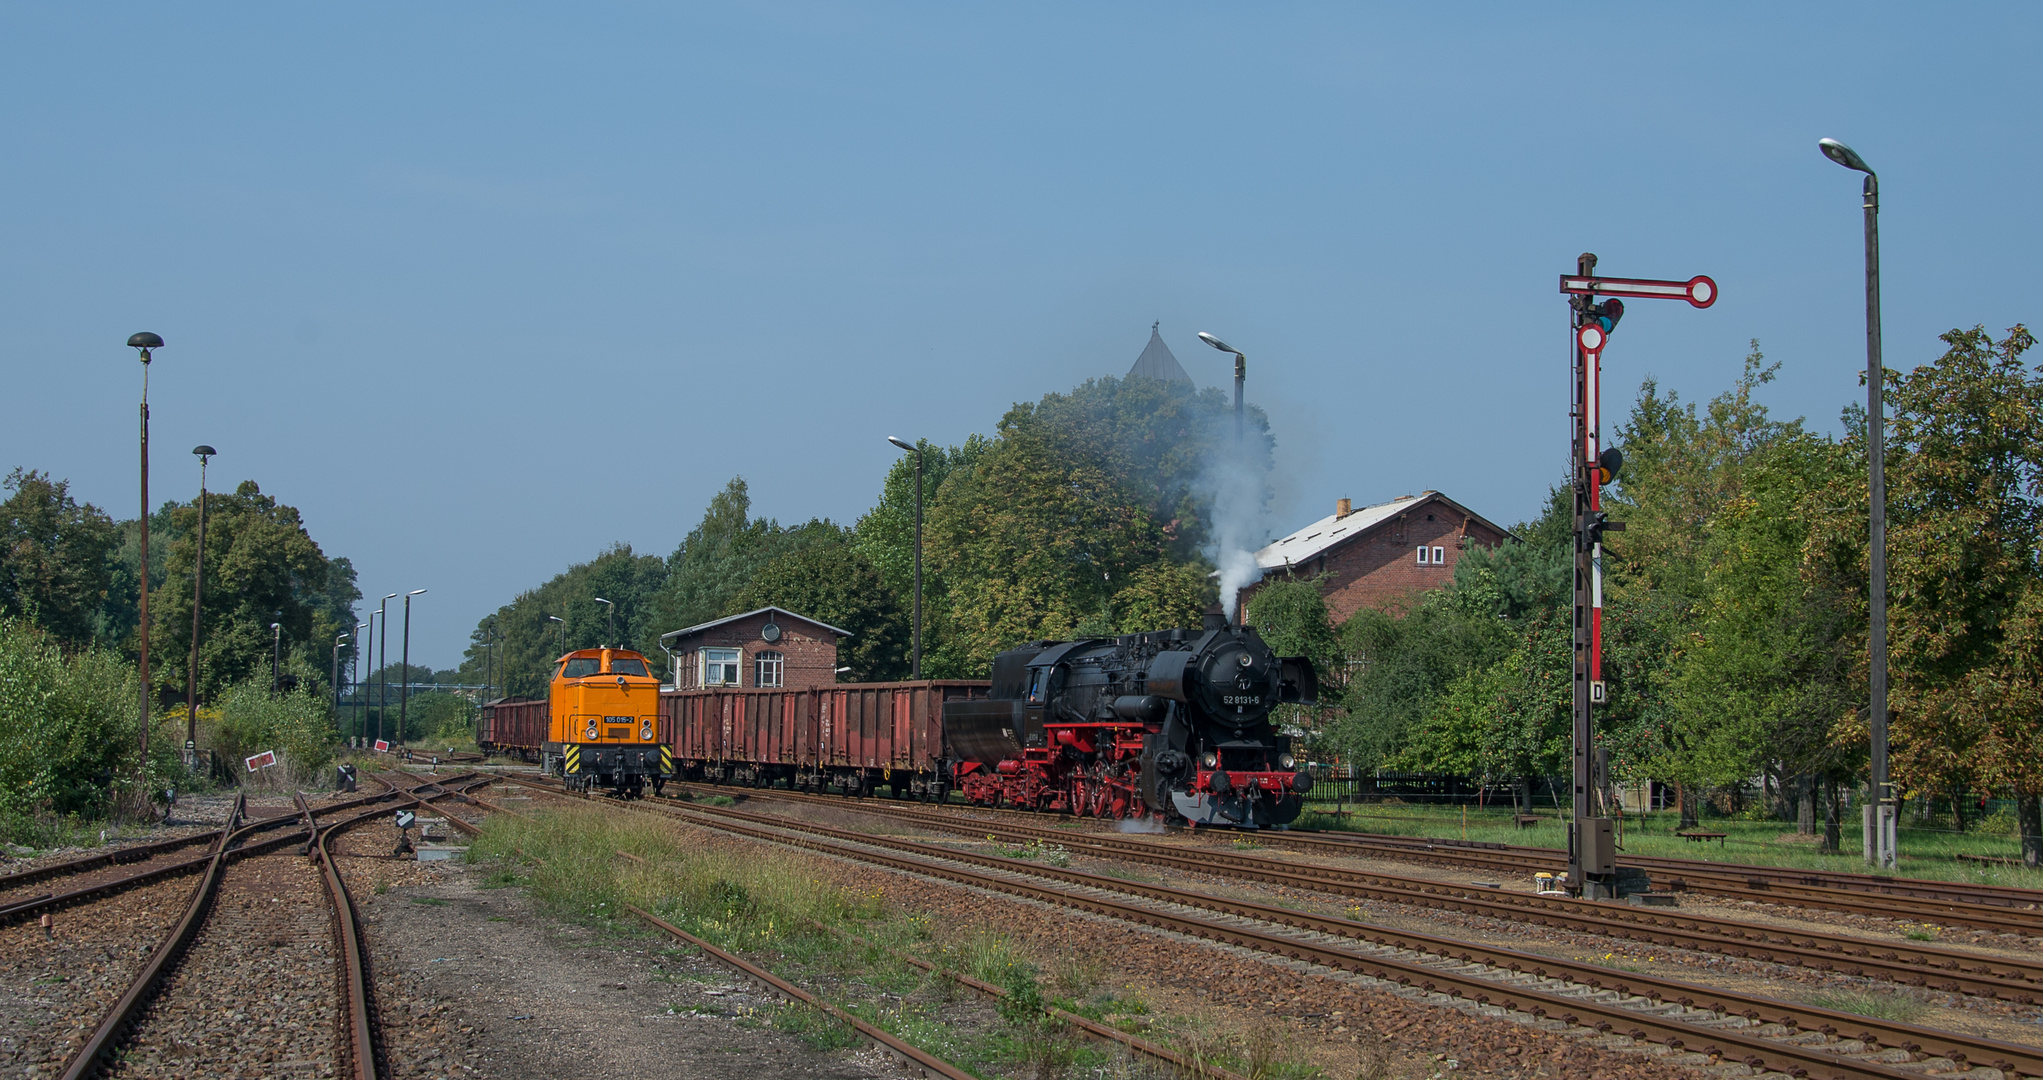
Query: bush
67, 724
297, 725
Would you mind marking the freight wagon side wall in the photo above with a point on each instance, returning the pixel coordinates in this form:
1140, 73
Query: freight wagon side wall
515, 723
867, 725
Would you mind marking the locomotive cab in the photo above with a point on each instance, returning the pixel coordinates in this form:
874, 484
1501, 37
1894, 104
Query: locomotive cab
604, 724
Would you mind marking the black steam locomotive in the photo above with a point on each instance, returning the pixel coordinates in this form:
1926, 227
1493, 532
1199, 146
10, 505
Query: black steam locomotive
1172, 723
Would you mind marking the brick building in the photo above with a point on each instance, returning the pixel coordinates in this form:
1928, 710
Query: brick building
1380, 556
768, 647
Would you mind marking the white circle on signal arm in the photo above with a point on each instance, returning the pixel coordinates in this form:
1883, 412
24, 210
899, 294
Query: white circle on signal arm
1700, 290
1592, 338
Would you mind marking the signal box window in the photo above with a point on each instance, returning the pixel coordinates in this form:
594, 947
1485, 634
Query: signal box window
767, 668
626, 665
1423, 552
580, 667
719, 666
1439, 556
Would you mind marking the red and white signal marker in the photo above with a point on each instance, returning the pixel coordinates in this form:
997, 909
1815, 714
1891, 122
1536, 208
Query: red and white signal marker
261, 761
1700, 291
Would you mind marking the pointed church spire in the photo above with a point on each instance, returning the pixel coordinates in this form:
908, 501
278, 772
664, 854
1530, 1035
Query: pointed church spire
1156, 361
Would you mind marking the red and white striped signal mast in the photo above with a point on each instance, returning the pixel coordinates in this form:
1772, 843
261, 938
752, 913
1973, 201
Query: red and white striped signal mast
1592, 844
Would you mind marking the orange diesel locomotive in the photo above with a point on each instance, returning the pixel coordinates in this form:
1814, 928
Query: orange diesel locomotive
603, 724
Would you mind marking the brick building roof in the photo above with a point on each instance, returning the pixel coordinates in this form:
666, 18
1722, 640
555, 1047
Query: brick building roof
1337, 529
714, 623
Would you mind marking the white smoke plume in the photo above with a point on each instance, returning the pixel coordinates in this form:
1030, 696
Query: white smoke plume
1237, 495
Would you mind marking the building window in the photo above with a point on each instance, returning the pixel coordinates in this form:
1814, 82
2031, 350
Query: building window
767, 668
1439, 556
1423, 552
719, 667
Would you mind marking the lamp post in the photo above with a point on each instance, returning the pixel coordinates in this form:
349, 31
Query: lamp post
355, 664
1240, 376
383, 669
276, 653
610, 634
147, 343
404, 661
191, 677
563, 632
337, 639
916, 449
1880, 848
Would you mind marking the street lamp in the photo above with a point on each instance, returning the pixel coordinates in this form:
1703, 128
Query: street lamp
1240, 375
916, 672
611, 617
1880, 848
383, 669
563, 632
404, 661
355, 663
337, 639
191, 675
147, 343
276, 652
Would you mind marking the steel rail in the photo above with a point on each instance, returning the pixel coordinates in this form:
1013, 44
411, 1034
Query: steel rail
1753, 1050
1919, 888
89, 1057
1914, 899
33, 905
357, 1042
1939, 969
92, 1055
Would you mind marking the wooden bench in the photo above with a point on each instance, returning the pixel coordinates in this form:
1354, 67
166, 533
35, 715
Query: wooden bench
1527, 821
1699, 837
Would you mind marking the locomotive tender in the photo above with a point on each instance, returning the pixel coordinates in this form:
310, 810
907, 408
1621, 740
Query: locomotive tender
1170, 722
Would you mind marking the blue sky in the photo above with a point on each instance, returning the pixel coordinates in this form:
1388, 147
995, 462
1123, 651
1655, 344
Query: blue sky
483, 288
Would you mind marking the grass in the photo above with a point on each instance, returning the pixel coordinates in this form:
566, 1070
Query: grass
1880, 1005
1925, 853
767, 904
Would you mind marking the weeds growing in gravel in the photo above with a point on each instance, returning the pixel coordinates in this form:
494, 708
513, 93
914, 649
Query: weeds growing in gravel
1881, 1005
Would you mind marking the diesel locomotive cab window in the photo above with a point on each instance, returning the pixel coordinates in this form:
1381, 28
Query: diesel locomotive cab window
625, 665
767, 668
720, 666
581, 667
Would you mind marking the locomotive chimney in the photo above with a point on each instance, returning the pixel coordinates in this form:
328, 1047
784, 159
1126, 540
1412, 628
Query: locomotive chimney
1342, 508
1213, 619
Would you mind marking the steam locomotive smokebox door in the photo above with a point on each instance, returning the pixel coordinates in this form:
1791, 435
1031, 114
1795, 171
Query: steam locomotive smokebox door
986, 731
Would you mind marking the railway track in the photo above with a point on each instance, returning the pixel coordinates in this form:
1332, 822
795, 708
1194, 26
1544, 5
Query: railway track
1720, 1026
1910, 964
266, 970
1997, 909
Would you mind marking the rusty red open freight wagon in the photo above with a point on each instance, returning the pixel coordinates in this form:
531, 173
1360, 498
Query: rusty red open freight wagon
853, 737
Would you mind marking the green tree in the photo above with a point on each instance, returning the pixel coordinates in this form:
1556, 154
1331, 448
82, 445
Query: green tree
885, 537
713, 562
67, 724
1965, 476
527, 641
261, 567
1033, 542
53, 556
826, 577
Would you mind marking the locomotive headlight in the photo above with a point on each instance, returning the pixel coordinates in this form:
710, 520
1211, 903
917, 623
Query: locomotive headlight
645, 731
592, 729
1209, 759
1285, 761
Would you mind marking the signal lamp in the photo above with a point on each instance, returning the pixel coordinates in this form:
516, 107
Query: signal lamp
1209, 759
1609, 463
1608, 313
